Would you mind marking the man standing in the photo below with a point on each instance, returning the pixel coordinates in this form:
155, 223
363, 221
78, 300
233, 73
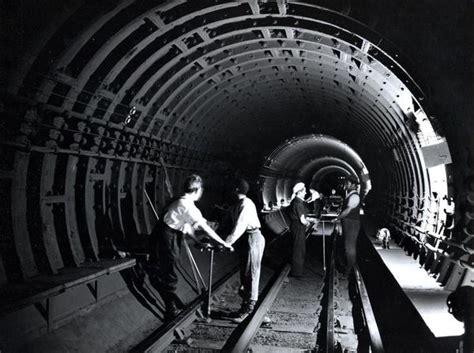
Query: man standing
298, 213
180, 217
246, 227
350, 220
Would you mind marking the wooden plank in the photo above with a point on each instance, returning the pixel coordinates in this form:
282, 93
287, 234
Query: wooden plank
18, 295
167, 178
89, 204
70, 277
70, 212
50, 240
19, 220
170, 179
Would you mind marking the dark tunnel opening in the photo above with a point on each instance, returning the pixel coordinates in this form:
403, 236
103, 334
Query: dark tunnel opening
112, 99
311, 159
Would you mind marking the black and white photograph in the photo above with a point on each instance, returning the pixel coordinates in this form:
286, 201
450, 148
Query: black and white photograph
253, 176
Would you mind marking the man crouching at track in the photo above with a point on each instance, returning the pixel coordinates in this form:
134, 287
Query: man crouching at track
246, 229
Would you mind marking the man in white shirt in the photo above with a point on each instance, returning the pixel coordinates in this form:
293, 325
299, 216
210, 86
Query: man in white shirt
246, 227
181, 217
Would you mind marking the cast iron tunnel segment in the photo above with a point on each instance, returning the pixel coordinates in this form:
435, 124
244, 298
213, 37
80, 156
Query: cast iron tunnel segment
311, 39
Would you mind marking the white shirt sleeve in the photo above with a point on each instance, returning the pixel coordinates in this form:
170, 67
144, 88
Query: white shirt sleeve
194, 216
247, 218
353, 201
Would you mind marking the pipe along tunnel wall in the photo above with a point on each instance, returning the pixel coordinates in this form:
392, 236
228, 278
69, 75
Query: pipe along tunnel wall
106, 100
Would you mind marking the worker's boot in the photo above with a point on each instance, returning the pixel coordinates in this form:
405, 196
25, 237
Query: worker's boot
245, 311
241, 292
172, 310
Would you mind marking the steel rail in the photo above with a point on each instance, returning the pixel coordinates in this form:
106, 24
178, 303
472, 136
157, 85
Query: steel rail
241, 338
330, 320
161, 338
239, 341
368, 314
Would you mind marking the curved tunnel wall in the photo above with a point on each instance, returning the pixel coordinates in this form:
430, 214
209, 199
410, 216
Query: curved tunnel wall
115, 99
192, 86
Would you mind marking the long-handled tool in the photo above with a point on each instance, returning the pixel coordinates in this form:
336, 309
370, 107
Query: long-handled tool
211, 249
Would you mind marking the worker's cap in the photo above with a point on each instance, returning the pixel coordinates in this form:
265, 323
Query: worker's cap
241, 186
352, 179
298, 187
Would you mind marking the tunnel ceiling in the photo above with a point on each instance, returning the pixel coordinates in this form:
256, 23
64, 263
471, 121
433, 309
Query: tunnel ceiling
195, 83
219, 76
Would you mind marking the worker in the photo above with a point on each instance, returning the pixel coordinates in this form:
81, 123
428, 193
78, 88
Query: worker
314, 202
298, 212
250, 245
181, 217
350, 220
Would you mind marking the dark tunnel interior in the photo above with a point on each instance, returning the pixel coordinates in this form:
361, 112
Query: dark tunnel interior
104, 100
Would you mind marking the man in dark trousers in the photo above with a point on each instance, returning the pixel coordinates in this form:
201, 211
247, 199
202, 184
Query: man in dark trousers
180, 217
250, 247
298, 212
350, 220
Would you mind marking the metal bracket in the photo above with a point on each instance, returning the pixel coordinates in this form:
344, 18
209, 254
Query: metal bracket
46, 311
94, 288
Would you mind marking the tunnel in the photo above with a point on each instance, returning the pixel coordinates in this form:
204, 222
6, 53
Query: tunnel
108, 106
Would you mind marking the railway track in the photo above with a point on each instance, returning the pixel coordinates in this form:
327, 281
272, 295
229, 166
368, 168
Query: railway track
325, 311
